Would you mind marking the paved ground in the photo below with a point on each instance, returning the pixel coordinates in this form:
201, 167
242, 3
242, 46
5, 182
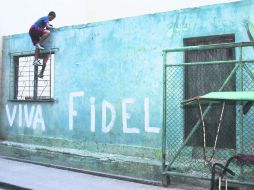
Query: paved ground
37, 177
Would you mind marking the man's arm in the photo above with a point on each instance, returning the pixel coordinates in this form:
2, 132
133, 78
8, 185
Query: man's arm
49, 26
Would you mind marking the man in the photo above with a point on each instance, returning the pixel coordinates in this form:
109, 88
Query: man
38, 32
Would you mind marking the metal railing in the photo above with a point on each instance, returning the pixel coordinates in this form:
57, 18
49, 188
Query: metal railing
179, 156
24, 83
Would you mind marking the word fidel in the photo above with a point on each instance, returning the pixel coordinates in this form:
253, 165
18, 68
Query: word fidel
33, 117
107, 126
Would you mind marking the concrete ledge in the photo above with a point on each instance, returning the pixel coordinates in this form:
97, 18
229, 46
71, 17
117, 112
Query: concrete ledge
59, 143
112, 164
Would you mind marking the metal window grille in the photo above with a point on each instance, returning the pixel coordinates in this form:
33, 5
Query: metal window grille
27, 85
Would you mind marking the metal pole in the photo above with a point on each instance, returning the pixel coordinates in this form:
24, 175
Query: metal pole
35, 96
241, 109
164, 112
205, 63
211, 46
50, 82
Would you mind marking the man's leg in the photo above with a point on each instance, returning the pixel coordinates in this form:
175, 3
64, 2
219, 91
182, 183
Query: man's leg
35, 34
36, 57
44, 36
36, 54
45, 60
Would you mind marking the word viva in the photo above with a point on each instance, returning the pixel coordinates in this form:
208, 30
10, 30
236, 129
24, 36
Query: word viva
33, 117
107, 107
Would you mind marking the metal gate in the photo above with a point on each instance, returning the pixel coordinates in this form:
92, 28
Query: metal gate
181, 157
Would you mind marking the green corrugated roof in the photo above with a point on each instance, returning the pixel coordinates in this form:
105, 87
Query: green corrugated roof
222, 96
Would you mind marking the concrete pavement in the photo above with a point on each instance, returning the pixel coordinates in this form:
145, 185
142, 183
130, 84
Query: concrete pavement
22, 175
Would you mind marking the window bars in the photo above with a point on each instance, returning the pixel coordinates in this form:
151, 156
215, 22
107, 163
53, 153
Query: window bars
29, 82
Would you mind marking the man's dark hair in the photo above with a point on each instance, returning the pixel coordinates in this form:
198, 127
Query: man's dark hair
52, 13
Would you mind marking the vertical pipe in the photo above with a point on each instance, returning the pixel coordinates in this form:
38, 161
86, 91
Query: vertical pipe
35, 82
164, 113
9, 78
241, 107
15, 67
50, 67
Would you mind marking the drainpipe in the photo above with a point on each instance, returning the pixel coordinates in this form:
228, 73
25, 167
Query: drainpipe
1, 84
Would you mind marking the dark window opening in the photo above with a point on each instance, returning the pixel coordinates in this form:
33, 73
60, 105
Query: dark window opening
203, 79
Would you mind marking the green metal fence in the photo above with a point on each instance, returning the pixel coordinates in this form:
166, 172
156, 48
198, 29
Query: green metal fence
182, 145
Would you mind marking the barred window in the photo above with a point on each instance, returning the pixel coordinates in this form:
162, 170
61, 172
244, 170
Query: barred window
33, 82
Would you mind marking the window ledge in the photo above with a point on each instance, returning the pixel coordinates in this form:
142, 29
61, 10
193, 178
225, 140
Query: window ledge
46, 100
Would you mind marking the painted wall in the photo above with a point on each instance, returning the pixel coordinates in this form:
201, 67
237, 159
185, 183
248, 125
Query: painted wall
108, 79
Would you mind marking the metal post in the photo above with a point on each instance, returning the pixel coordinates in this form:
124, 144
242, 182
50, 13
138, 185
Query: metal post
241, 109
35, 82
164, 112
50, 72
